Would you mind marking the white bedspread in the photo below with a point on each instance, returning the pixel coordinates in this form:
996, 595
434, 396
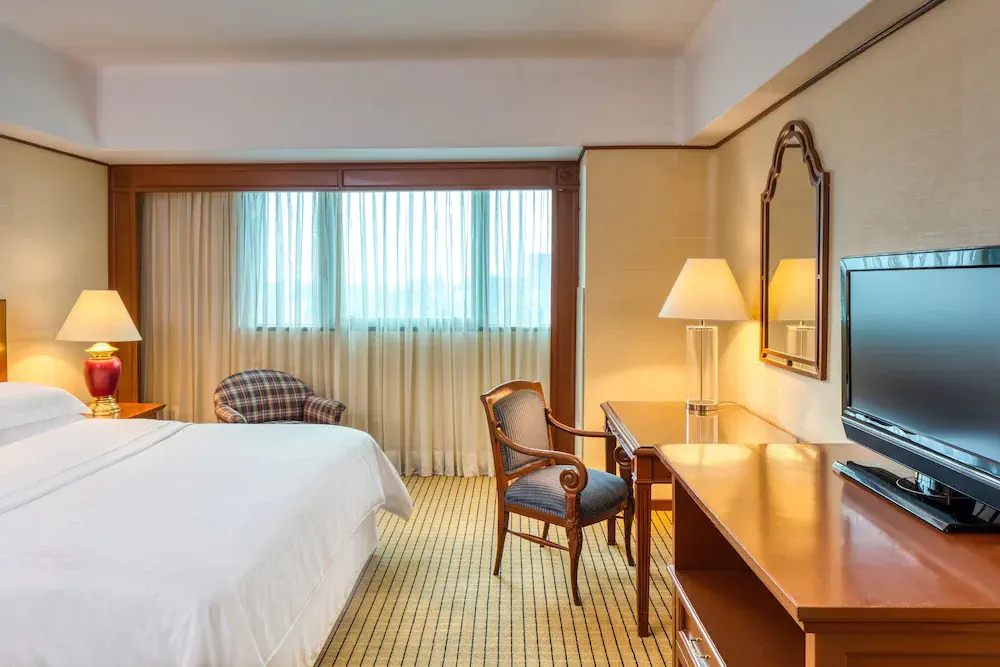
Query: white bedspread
149, 543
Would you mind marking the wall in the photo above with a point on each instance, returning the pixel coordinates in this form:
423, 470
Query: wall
388, 105
744, 43
910, 133
53, 243
646, 212
46, 93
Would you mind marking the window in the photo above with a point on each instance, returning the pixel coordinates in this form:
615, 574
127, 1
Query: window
456, 259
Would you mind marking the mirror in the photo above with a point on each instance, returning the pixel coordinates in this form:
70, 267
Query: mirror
795, 208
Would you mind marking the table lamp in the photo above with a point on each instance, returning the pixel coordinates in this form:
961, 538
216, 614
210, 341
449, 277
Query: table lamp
705, 290
100, 315
791, 297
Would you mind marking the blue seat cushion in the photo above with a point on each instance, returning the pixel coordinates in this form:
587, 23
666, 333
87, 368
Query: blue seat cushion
540, 490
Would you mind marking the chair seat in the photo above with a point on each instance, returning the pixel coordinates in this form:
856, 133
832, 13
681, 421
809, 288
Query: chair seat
540, 490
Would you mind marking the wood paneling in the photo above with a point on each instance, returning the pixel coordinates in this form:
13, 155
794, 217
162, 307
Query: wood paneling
3, 340
565, 279
124, 252
127, 184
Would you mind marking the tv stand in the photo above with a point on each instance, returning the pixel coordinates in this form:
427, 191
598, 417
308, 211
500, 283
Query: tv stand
959, 514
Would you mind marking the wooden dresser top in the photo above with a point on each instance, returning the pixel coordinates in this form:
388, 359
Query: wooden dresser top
828, 549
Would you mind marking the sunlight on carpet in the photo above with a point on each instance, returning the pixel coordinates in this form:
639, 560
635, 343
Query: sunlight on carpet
428, 596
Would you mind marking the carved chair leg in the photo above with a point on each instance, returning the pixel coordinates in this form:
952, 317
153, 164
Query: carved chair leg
502, 519
545, 533
625, 467
574, 533
629, 514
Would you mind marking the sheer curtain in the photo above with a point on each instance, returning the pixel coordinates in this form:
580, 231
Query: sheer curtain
404, 305
187, 291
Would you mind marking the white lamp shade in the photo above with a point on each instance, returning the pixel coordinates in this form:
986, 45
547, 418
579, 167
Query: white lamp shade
705, 290
99, 316
791, 294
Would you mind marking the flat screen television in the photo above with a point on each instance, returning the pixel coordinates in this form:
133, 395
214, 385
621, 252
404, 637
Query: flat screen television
921, 380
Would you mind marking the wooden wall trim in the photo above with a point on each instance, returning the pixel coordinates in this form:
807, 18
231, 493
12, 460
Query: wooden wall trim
565, 281
333, 176
833, 67
3, 340
127, 184
57, 151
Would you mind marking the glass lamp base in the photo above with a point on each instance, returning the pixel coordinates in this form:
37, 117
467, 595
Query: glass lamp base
105, 406
701, 406
702, 368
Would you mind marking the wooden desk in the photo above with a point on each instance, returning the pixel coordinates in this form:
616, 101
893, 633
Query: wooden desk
779, 561
641, 429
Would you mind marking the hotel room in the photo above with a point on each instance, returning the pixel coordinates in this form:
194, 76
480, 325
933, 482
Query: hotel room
658, 332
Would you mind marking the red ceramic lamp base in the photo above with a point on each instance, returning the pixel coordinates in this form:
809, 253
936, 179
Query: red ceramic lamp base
101, 372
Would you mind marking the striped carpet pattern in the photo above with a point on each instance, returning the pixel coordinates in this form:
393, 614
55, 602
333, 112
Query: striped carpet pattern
428, 595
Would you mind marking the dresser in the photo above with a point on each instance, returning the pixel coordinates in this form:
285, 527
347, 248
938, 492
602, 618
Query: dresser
780, 562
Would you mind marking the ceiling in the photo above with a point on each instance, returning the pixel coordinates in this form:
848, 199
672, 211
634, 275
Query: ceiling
108, 32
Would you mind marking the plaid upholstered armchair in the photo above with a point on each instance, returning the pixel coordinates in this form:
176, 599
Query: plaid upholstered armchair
536, 481
263, 396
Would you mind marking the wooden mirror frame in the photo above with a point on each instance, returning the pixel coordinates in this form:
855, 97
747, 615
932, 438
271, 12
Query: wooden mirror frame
798, 135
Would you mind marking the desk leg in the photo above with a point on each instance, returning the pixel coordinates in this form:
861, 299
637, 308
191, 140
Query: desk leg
644, 518
609, 465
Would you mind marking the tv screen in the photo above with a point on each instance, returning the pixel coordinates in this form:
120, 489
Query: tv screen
924, 356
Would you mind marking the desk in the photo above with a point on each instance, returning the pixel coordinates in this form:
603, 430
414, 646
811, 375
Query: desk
643, 430
780, 562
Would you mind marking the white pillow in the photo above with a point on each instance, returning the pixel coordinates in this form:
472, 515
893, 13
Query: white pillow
22, 403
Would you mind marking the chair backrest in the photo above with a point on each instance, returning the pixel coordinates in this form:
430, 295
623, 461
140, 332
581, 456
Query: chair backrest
263, 396
518, 408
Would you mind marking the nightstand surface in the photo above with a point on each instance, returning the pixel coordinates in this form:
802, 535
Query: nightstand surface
136, 411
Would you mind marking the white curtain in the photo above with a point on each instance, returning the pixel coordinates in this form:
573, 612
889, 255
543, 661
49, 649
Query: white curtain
186, 303
404, 305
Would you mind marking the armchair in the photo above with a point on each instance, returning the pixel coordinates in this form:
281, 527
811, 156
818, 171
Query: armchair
536, 481
266, 396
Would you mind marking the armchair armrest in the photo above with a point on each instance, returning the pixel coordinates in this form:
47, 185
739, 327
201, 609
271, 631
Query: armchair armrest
319, 410
575, 431
227, 415
572, 481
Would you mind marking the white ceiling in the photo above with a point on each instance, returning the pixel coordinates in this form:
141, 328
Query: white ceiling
107, 32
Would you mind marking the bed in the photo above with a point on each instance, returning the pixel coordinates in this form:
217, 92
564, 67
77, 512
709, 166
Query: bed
159, 543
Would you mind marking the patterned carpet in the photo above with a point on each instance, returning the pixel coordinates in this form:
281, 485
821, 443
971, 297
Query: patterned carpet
428, 597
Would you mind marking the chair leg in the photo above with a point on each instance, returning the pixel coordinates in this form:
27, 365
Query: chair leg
574, 533
629, 515
502, 518
625, 470
545, 533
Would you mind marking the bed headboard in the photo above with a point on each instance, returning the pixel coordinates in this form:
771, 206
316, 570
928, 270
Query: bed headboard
3, 340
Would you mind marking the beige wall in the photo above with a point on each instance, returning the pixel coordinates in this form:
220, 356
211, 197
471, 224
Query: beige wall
644, 213
910, 131
53, 243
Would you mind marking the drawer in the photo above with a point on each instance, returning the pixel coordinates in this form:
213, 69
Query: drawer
692, 643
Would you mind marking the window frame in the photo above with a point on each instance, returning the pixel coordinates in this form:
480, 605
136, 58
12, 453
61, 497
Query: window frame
127, 184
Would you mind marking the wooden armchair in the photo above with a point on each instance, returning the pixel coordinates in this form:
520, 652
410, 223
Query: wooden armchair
536, 481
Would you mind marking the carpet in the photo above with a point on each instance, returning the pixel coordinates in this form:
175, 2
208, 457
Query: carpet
428, 595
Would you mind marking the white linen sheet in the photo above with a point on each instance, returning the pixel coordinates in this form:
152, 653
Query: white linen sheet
165, 544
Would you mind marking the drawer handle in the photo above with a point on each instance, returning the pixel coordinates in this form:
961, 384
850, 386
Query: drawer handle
694, 646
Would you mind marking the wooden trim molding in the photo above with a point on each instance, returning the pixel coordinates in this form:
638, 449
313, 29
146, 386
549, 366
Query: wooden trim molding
57, 151
127, 184
3, 340
834, 66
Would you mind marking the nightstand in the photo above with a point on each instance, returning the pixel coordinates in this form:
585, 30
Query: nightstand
136, 411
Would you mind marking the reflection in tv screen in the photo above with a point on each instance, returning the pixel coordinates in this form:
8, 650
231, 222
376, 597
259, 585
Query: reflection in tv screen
925, 352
